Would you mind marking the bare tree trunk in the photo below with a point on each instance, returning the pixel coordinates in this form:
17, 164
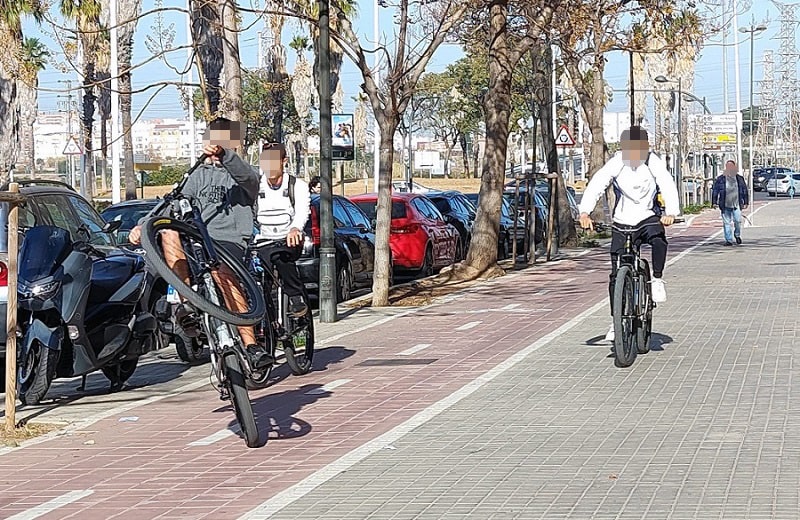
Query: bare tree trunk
482, 253
9, 123
476, 154
87, 180
232, 63
32, 150
380, 283
462, 140
128, 10
103, 155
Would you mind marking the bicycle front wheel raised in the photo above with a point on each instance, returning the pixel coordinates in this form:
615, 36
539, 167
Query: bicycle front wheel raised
191, 242
624, 306
237, 388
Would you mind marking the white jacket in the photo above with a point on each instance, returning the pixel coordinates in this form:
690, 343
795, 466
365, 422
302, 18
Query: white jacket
275, 215
636, 189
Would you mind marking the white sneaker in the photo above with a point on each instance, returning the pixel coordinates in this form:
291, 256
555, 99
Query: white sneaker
659, 290
610, 333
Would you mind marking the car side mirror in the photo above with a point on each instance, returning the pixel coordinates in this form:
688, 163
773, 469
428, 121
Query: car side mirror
112, 226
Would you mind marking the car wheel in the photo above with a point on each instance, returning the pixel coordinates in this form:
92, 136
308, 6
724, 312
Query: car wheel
190, 350
344, 283
505, 247
459, 256
427, 263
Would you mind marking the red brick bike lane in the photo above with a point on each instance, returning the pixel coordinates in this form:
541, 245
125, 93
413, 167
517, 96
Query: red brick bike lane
179, 457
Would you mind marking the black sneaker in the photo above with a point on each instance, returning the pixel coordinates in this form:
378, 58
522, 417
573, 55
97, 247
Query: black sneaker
297, 307
739, 240
187, 320
258, 357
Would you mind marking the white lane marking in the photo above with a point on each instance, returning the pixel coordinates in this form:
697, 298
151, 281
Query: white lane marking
327, 387
592, 271
509, 311
381, 321
542, 293
414, 349
52, 505
216, 437
568, 280
470, 325
308, 484
510, 307
342, 464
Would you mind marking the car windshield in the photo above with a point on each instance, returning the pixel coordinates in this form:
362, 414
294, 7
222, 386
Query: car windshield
369, 207
129, 215
781, 175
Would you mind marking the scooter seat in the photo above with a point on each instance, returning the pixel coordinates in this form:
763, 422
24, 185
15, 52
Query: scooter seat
111, 273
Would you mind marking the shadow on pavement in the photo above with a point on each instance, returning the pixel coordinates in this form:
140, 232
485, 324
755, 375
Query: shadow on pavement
279, 410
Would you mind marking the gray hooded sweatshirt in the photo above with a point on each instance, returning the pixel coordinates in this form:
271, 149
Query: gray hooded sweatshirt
226, 196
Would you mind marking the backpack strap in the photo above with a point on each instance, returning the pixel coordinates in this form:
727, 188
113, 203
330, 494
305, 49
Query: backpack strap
292, 182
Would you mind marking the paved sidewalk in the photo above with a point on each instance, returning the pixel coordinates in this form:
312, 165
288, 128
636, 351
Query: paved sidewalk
703, 427
377, 392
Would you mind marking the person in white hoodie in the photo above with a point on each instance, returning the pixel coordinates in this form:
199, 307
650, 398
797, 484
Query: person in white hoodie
283, 209
638, 176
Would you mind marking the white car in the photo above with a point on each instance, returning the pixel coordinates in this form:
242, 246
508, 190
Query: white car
785, 184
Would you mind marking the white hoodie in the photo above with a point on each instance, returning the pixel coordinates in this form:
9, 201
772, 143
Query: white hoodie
637, 188
276, 216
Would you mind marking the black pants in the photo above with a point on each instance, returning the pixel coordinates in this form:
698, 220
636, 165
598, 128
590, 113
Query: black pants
236, 250
652, 233
284, 259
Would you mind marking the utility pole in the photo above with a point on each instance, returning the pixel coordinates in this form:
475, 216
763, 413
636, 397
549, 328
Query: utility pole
68, 106
190, 77
376, 130
327, 264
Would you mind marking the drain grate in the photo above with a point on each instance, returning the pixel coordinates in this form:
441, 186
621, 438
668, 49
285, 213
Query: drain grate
393, 362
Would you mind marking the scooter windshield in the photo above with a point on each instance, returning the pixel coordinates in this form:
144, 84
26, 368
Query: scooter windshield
43, 249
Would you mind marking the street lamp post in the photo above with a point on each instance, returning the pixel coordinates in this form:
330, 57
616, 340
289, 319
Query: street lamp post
753, 29
678, 174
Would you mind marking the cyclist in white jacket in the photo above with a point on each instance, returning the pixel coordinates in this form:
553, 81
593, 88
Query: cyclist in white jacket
638, 176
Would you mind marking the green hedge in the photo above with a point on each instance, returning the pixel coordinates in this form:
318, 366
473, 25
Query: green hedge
166, 176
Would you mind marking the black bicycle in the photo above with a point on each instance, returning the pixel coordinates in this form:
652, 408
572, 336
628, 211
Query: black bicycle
279, 330
229, 363
632, 303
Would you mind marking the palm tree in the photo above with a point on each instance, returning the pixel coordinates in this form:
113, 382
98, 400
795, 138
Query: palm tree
209, 53
11, 14
86, 15
34, 58
303, 92
276, 71
127, 15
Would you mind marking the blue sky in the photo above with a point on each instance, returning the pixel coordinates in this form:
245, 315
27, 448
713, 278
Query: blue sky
708, 76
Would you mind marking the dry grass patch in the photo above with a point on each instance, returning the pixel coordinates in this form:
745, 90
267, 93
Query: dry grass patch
24, 432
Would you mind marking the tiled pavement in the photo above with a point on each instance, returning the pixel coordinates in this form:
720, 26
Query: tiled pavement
543, 429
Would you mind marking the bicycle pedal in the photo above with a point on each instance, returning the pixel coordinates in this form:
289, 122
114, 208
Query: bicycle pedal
224, 395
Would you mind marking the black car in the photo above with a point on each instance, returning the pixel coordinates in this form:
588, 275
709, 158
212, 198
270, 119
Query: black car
504, 237
55, 204
128, 213
354, 238
761, 176
457, 211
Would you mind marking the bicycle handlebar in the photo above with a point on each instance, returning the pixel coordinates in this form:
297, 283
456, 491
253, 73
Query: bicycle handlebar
169, 197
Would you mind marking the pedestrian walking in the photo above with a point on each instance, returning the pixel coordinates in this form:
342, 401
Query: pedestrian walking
730, 195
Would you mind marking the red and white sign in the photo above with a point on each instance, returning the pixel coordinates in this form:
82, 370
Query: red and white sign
564, 138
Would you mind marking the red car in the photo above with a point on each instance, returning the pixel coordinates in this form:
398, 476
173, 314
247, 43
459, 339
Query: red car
420, 238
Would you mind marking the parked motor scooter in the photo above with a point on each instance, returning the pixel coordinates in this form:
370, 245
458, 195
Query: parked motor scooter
81, 309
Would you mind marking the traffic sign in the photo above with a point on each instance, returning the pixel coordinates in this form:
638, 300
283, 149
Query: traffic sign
564, 138
72, 148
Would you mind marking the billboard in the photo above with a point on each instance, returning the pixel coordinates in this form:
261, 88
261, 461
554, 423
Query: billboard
343, 137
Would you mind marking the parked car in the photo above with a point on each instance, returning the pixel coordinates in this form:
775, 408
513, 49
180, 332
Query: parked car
55, 204
354, 239
460, 213
421, 240
762, 175
541, 203
784, 184
505, 236
129, 213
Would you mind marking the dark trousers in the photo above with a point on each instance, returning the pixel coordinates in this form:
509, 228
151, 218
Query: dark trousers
284, 259
652, 233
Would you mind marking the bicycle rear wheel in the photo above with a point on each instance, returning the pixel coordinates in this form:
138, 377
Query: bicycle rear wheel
644, 321
299, 348
624, 320
189, 238
237, 388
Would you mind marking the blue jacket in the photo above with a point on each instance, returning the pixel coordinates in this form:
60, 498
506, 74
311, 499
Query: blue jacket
718, 192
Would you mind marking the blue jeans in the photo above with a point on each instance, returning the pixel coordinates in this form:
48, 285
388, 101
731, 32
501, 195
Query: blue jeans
731, 218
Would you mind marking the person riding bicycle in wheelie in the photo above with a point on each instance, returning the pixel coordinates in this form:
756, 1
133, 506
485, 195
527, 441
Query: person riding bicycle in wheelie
638, 176
224, 189
284, 204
